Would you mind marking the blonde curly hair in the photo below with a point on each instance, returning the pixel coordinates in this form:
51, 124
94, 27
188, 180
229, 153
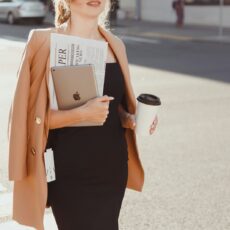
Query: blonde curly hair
63, 12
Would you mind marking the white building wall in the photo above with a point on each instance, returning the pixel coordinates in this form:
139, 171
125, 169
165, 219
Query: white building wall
157, 10
129, 6
161, 11
208, 15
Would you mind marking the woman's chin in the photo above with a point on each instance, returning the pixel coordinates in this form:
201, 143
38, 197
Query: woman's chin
93, 15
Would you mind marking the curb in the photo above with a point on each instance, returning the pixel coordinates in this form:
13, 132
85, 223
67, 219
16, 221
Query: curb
148, 34
224, 40
172, 37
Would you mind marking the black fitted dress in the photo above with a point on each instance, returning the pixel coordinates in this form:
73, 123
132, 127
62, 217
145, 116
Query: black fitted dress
91, 167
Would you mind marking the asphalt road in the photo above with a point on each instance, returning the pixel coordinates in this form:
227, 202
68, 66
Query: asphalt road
187, 159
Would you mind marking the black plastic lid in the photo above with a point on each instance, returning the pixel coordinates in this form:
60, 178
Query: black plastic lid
149, 99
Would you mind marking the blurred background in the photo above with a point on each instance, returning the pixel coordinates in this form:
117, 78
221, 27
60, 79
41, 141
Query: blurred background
180, 51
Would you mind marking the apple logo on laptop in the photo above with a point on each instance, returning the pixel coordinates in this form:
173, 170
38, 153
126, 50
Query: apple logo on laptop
76, 96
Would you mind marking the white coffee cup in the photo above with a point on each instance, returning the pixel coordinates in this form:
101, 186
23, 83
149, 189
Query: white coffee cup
147, 108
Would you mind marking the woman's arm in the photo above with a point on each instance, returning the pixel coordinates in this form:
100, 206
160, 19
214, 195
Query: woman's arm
94, 110
61, 118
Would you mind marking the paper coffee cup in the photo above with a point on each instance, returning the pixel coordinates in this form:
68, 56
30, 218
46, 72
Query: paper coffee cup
147, 108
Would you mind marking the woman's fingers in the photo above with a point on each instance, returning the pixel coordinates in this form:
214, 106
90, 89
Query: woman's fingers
105, 98
128, 121
133, 121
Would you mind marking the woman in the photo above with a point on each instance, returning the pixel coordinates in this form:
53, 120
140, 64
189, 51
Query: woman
91, 163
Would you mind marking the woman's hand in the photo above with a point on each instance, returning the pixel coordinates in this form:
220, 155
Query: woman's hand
127, 119
97, 109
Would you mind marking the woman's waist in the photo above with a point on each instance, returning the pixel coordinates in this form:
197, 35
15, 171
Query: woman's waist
109, 127
90, 135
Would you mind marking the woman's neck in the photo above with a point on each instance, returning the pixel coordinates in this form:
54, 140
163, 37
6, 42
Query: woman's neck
85, 28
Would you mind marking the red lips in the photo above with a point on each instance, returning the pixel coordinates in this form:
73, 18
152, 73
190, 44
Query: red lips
93, 3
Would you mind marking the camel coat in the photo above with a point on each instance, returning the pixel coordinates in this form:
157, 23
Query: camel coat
28, 126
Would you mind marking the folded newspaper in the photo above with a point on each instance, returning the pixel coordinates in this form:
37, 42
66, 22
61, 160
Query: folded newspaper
67, 50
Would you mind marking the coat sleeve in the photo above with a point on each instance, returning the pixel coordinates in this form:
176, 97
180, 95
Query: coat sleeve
17, 120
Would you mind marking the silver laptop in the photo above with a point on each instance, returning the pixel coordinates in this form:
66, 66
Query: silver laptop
74, 85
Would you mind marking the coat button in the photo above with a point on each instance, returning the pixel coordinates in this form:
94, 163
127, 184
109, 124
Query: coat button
38, 120
33, 151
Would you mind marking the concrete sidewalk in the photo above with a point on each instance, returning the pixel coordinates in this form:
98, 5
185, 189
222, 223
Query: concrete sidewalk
161, 30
